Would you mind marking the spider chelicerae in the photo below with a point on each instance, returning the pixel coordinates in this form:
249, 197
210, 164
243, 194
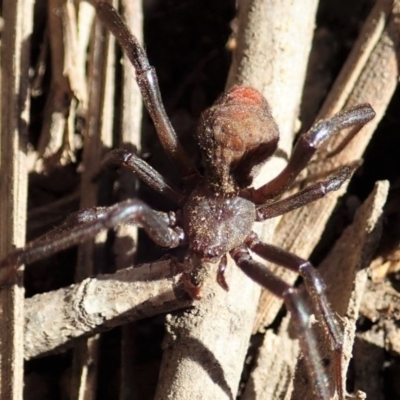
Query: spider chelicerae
236, 136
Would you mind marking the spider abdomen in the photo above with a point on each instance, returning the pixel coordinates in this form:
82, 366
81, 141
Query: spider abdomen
215, 225
236, 136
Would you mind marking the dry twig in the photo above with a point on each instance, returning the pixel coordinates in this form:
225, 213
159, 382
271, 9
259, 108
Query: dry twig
18, 16
126, 236
68, 86
98, 139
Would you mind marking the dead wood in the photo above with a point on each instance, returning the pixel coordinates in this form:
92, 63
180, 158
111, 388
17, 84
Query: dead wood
15, 95
68, 86
97, 140
53, 320
372, 70
205, 346
354, 250
130, 139
351, 255
300, 230
375, 82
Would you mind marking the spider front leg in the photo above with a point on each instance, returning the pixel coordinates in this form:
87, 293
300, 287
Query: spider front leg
148, 85
308, 144
298, 308
90, 223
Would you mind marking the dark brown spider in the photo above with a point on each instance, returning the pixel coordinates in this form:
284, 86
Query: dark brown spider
236, 136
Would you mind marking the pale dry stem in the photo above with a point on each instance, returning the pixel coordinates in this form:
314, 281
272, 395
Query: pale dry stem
15, 48
97, 140
374, 82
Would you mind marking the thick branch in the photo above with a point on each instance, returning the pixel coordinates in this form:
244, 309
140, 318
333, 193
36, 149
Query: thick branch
54, 319
205, 347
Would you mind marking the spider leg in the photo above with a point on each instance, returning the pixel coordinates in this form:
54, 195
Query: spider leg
144, 172
298, 308
315, 288
148, 85
307, 195
90, 223
308, 144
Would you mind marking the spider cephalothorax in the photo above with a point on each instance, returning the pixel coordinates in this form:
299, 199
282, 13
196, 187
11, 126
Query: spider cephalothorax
215, 224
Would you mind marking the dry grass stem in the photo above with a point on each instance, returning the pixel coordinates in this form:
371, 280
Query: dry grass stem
97, 140
130, 139
15, 103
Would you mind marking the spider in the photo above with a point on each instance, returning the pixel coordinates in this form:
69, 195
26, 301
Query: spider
236, 136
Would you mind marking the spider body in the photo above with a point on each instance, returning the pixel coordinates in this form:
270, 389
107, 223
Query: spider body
236, 136
214, 224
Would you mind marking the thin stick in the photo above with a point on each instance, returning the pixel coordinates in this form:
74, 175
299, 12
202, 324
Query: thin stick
56, 145
125, 244
98, 138
15, 54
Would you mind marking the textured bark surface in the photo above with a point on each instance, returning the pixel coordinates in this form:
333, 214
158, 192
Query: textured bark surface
15, 101
346, 270
205, 347
373, 81
54, 319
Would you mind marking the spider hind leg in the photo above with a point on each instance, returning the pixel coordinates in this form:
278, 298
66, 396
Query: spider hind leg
297, 305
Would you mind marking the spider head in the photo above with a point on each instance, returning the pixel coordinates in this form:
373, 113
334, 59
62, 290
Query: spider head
236, 136
215, 224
